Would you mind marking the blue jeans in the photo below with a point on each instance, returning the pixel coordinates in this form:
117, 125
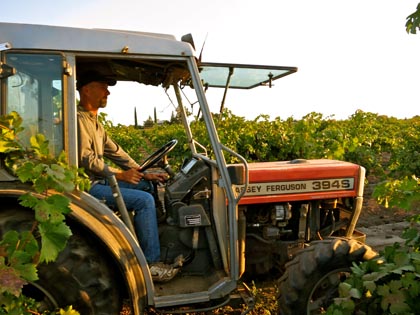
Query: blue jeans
143, 205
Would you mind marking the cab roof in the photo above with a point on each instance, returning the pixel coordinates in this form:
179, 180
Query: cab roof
31, 36
122, 42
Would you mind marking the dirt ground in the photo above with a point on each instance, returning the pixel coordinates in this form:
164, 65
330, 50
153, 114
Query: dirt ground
382, 226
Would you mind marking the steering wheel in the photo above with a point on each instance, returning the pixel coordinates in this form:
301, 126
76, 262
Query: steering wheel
158, 155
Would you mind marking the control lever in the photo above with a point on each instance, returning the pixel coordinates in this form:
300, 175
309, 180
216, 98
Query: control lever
163, 163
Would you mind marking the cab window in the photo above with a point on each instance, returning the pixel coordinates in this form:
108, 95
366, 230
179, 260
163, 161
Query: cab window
35, 92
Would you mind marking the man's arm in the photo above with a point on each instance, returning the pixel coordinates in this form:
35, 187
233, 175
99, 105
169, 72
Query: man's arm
91, 148
131, 173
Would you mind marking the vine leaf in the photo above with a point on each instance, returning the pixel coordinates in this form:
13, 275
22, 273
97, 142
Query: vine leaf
19, 251
52, 209
22, 251
54, 239
10, 280
40, 145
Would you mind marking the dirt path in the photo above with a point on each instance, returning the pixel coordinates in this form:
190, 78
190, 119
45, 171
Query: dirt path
383, 235
382, 226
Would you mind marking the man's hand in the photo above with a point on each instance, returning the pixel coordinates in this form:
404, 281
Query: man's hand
160, 177
133, 176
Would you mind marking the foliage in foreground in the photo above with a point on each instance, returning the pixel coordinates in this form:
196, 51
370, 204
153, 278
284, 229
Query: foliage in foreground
389, 284
20, 252
413, 21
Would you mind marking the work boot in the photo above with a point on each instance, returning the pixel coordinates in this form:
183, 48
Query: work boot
162, 272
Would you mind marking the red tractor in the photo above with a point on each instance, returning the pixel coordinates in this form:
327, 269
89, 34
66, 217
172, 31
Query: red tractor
290, 220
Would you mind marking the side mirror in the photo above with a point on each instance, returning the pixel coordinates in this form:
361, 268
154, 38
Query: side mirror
6, 71
188, 39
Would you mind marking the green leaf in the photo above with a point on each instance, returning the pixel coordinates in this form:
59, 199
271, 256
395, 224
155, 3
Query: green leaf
401, 258
344, 289
27, 172
401, 270
383, 290
54, 239
40, 145
395, 285
354, 293
28, 271
62, 177
374, 276
22, 249
28, 200
400, 307
10, 241
370, 285
411, 282
56, 171
14, 241
52, 209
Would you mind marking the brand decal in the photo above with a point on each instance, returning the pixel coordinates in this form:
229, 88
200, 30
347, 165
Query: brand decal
296, 187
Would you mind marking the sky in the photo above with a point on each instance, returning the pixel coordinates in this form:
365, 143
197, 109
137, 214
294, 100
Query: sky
351, 55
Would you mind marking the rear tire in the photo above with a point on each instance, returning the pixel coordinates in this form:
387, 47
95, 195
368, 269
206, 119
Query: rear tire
310, 282
81, 276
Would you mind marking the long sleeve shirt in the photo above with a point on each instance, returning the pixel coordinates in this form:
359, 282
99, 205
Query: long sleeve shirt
95, 145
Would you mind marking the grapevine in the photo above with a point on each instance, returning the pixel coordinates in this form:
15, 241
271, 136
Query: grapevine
20, 252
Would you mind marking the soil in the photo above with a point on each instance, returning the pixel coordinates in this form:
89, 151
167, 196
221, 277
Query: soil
374, 214
382, 226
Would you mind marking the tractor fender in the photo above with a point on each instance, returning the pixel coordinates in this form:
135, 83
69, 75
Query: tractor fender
102, 222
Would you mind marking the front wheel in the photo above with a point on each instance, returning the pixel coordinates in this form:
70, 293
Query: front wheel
310, 282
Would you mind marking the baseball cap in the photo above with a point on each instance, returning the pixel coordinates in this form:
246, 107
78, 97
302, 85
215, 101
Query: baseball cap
94, 76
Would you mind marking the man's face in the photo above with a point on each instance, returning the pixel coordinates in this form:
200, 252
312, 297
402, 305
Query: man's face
97, 93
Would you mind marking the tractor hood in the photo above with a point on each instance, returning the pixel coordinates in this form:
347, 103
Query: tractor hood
302, 180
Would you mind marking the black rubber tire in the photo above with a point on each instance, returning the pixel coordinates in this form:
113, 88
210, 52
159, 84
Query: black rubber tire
311, 279
81, 276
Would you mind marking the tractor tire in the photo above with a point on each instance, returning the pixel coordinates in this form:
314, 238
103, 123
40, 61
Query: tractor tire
311, 279
81, 276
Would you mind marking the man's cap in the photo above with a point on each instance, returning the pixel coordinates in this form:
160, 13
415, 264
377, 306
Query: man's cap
94, 76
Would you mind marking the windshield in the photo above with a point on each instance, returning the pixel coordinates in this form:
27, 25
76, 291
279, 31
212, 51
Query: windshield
238, 76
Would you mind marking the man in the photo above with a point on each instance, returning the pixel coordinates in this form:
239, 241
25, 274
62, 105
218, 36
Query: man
94, 146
